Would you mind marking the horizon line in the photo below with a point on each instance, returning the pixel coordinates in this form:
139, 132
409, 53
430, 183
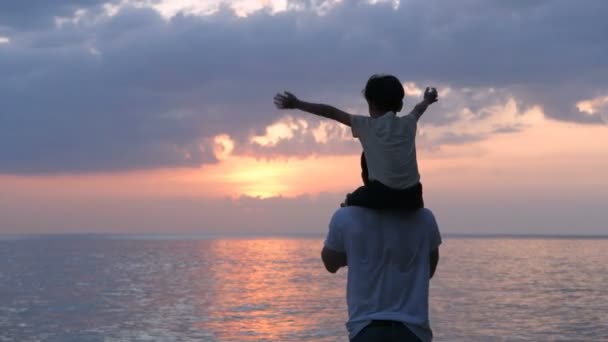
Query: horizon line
211, 236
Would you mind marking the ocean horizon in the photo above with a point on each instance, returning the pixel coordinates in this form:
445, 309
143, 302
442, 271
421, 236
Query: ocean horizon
207, 236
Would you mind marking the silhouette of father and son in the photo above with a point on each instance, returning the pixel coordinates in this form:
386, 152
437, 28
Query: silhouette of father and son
382, 231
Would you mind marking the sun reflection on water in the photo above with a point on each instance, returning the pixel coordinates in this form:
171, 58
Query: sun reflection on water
259, 297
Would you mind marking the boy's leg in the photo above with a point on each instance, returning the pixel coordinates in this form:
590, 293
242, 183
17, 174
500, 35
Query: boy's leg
411, 198
364, 172
407, 199
374, 195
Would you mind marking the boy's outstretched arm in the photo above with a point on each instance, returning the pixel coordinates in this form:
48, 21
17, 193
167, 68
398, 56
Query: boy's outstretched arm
430, 96
288, 101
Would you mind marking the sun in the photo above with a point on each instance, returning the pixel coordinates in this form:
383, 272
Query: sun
262, 180
255, 178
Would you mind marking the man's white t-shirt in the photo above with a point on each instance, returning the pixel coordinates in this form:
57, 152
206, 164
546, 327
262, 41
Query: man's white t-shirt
388, 255
390, 148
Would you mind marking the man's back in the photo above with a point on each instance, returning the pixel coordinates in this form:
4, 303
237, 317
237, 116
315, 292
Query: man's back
388, 256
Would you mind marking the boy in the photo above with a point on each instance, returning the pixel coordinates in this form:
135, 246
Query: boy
389, 166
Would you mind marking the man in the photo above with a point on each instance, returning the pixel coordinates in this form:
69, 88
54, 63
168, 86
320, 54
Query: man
391, 256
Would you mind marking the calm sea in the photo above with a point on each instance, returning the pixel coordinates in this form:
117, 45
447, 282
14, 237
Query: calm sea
98, 288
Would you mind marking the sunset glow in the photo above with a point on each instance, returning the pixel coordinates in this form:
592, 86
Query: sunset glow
538, 155
136, 116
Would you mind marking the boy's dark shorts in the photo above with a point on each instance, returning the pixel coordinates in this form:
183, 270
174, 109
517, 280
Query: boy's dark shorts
376, 195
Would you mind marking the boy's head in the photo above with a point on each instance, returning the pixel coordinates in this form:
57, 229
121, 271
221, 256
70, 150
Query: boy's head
384, 93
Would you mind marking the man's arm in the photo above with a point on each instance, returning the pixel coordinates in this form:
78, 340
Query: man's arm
430, 97
289, 101
434, 261
333, 260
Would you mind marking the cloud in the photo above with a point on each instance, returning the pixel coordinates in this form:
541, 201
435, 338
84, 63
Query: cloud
595, 107
134, 89
301, 137
19, 15
476, 115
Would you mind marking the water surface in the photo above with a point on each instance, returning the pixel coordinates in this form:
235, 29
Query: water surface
256, 289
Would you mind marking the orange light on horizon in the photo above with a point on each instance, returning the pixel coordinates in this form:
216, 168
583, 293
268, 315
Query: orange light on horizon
258, 179
284, 177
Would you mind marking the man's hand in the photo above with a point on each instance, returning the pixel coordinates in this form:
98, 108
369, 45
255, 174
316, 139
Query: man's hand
286, 100
333, 260
430, 95
434, 260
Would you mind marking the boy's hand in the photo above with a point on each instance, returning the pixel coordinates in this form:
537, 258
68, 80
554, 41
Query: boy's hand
430, 95
286, 100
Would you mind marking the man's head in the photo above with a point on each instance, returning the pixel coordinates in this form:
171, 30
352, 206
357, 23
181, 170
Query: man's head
384, 93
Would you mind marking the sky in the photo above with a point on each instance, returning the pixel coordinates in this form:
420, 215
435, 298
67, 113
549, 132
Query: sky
156, 116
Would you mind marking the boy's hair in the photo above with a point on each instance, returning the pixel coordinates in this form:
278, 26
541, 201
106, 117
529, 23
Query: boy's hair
385, 92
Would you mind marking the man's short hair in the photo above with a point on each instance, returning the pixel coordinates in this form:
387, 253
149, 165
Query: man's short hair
385, 92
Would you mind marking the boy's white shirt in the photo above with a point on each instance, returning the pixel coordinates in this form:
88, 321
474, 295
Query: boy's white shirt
389, 144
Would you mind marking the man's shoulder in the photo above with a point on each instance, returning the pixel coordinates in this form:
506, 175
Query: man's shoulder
350, 213
355, 213
425, 213
427, 218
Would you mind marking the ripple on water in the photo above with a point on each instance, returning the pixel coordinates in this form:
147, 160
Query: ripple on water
277, 290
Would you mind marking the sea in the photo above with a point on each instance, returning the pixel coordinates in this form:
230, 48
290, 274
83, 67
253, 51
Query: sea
80, 288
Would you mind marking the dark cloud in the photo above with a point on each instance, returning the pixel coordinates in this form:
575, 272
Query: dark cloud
40, 14
507, 129
137, 91
559, 100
